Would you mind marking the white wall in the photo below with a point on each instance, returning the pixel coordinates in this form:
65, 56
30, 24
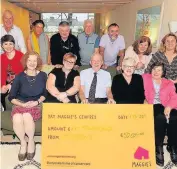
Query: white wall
125, 17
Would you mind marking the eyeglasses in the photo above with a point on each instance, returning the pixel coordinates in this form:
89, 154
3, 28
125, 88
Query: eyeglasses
129, 67
67, 61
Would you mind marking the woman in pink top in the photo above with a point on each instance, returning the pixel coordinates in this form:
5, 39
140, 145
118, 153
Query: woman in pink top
161, 93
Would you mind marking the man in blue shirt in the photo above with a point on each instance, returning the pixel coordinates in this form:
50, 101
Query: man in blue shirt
88, 42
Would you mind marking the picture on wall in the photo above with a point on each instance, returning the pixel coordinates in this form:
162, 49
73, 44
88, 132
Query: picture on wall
148, 22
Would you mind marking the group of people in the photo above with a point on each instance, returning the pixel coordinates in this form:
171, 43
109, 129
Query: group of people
143, 77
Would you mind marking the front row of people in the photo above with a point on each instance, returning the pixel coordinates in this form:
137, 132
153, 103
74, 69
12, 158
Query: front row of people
93, 86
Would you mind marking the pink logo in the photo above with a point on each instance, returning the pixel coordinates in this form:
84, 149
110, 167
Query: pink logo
141, 154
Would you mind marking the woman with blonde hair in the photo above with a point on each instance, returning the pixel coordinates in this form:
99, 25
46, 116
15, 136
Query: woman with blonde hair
127, 88
27, 93
167, 55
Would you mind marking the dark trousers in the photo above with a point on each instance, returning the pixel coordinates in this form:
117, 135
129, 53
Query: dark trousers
161, 126
3, 99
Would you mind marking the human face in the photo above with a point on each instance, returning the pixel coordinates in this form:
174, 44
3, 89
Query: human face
170, 43
96, 62
38, 29
64, 32
142, 47
128, 69
69, 63
157, 72
113, 32
8, 47
8, 20
32, 62
88, 28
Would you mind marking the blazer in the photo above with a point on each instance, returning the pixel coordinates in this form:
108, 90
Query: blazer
168, 95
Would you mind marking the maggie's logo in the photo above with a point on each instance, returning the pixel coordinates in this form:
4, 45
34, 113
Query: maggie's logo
141, 154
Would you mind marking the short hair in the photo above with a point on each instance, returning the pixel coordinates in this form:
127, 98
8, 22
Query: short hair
88, 21
8, 12
97, 54
142, 39
113, 24
37, 22
128, 60
158, 64
162, 46
64, 23
69, 56
27, 55
7, 38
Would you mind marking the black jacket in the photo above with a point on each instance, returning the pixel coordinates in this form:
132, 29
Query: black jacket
58, 48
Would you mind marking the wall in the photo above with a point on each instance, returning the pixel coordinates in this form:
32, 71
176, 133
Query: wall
21, 16
170, 7
125, 17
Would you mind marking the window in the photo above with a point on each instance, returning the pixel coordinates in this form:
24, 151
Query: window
76, 21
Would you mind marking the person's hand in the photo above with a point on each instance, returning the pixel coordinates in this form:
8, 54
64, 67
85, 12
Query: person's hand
104, 66
118, 68
9, 87
66, 100
58, 66
140, 65
4, 89
32, 104
85, 101
26, 104
167, 112
76, 67
111, 101
62, 96
145, 101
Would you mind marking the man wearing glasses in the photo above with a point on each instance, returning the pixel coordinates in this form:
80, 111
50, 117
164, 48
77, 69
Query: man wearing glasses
62, 43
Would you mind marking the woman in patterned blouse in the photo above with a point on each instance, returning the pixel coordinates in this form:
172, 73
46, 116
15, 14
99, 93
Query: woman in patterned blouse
167, 55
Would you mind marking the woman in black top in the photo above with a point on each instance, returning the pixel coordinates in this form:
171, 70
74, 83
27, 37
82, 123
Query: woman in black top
64, 83
127, 88
27, 92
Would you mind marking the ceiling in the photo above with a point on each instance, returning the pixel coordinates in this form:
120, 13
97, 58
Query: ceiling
77, 6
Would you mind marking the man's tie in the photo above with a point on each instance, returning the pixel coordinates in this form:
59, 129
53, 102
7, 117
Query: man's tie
92, 91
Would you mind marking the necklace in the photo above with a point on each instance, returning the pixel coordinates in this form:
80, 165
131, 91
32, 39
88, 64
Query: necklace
31, 79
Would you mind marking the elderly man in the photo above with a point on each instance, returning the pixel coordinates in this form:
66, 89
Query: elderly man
62, 43
88, 42
112, 45
8, 27
96, 83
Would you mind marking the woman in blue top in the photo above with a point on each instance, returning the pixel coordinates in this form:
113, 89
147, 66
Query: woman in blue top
27, 93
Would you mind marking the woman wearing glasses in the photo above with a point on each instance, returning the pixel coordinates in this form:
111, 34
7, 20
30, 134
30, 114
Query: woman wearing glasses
127, 88
64, 83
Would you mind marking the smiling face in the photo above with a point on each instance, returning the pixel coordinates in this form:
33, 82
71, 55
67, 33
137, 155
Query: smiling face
96, 62
8, 47
157, 72
88, 28
69, 63
8, 19
64, 31
31, 62
170, 43
128, 66
142, 47
113, 32
38, 29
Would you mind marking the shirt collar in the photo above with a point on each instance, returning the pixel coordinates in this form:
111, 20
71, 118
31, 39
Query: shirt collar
88, 35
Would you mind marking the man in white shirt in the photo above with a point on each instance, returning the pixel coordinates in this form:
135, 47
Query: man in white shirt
112, 45
9, 28
95, 83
